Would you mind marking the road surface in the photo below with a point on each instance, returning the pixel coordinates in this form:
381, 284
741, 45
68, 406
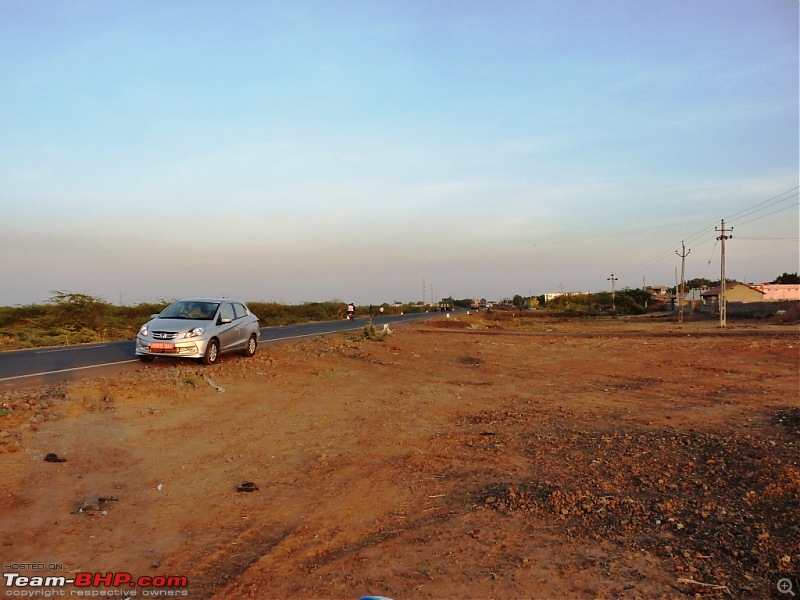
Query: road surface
52, 364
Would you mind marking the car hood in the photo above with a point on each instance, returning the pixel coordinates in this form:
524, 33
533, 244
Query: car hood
178, 324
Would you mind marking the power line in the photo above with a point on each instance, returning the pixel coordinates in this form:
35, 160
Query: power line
760, 206
709, 233
667, 254
766, 215
771, 239
768, 202
710, 258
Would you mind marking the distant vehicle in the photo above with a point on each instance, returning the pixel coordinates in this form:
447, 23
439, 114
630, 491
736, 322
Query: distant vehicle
201, 328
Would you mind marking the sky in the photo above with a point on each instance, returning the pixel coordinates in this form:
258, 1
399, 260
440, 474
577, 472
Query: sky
375, 151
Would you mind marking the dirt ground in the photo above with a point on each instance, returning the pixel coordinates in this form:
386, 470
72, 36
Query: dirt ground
460, 457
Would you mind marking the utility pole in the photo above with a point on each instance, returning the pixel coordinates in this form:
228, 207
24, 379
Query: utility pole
644, 289
675, 295
612, 279
723, 309
682, 297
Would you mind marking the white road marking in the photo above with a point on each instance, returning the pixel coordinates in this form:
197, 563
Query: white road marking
68, 349
292, 337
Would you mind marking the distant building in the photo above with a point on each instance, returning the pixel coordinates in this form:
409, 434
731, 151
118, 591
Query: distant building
548, 297
692, 298
696, 293
734, 292
780, 291
658, 291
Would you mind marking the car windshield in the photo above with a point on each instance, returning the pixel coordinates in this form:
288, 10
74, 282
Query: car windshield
199, 311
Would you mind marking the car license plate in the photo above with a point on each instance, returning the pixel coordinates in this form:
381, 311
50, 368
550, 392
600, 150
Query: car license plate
161, 347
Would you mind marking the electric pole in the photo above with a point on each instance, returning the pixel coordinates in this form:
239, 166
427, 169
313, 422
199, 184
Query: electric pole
723, 309
682, 297
612, 279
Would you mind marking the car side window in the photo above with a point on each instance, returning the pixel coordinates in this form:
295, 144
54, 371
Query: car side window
226, 312
239, 310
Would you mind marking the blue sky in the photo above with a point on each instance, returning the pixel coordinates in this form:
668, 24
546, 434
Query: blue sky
302, 151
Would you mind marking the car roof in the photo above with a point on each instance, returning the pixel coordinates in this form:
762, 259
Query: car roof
209, 300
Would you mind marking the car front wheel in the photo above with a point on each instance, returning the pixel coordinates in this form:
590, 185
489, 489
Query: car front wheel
212, 353
146, 358
252, 344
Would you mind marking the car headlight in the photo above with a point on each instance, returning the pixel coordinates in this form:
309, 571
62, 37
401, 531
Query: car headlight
143, 330
194, 332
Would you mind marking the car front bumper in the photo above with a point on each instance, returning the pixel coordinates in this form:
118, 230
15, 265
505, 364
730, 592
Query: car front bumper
187, 349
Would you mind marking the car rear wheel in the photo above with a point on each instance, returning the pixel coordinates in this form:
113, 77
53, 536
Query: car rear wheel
212, 353
252, 344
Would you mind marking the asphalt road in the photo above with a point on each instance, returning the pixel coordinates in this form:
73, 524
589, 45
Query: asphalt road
51, 364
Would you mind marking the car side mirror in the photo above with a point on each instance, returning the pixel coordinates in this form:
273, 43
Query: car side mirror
223, 321
154, 315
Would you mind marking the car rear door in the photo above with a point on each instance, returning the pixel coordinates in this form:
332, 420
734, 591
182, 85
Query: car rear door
228, 332
241, 319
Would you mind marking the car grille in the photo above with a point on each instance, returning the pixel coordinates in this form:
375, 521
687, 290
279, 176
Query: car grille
165, 335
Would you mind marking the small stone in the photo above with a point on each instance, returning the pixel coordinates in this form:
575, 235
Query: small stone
10, 446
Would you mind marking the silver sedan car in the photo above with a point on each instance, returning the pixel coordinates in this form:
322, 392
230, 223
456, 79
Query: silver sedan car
201, 328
